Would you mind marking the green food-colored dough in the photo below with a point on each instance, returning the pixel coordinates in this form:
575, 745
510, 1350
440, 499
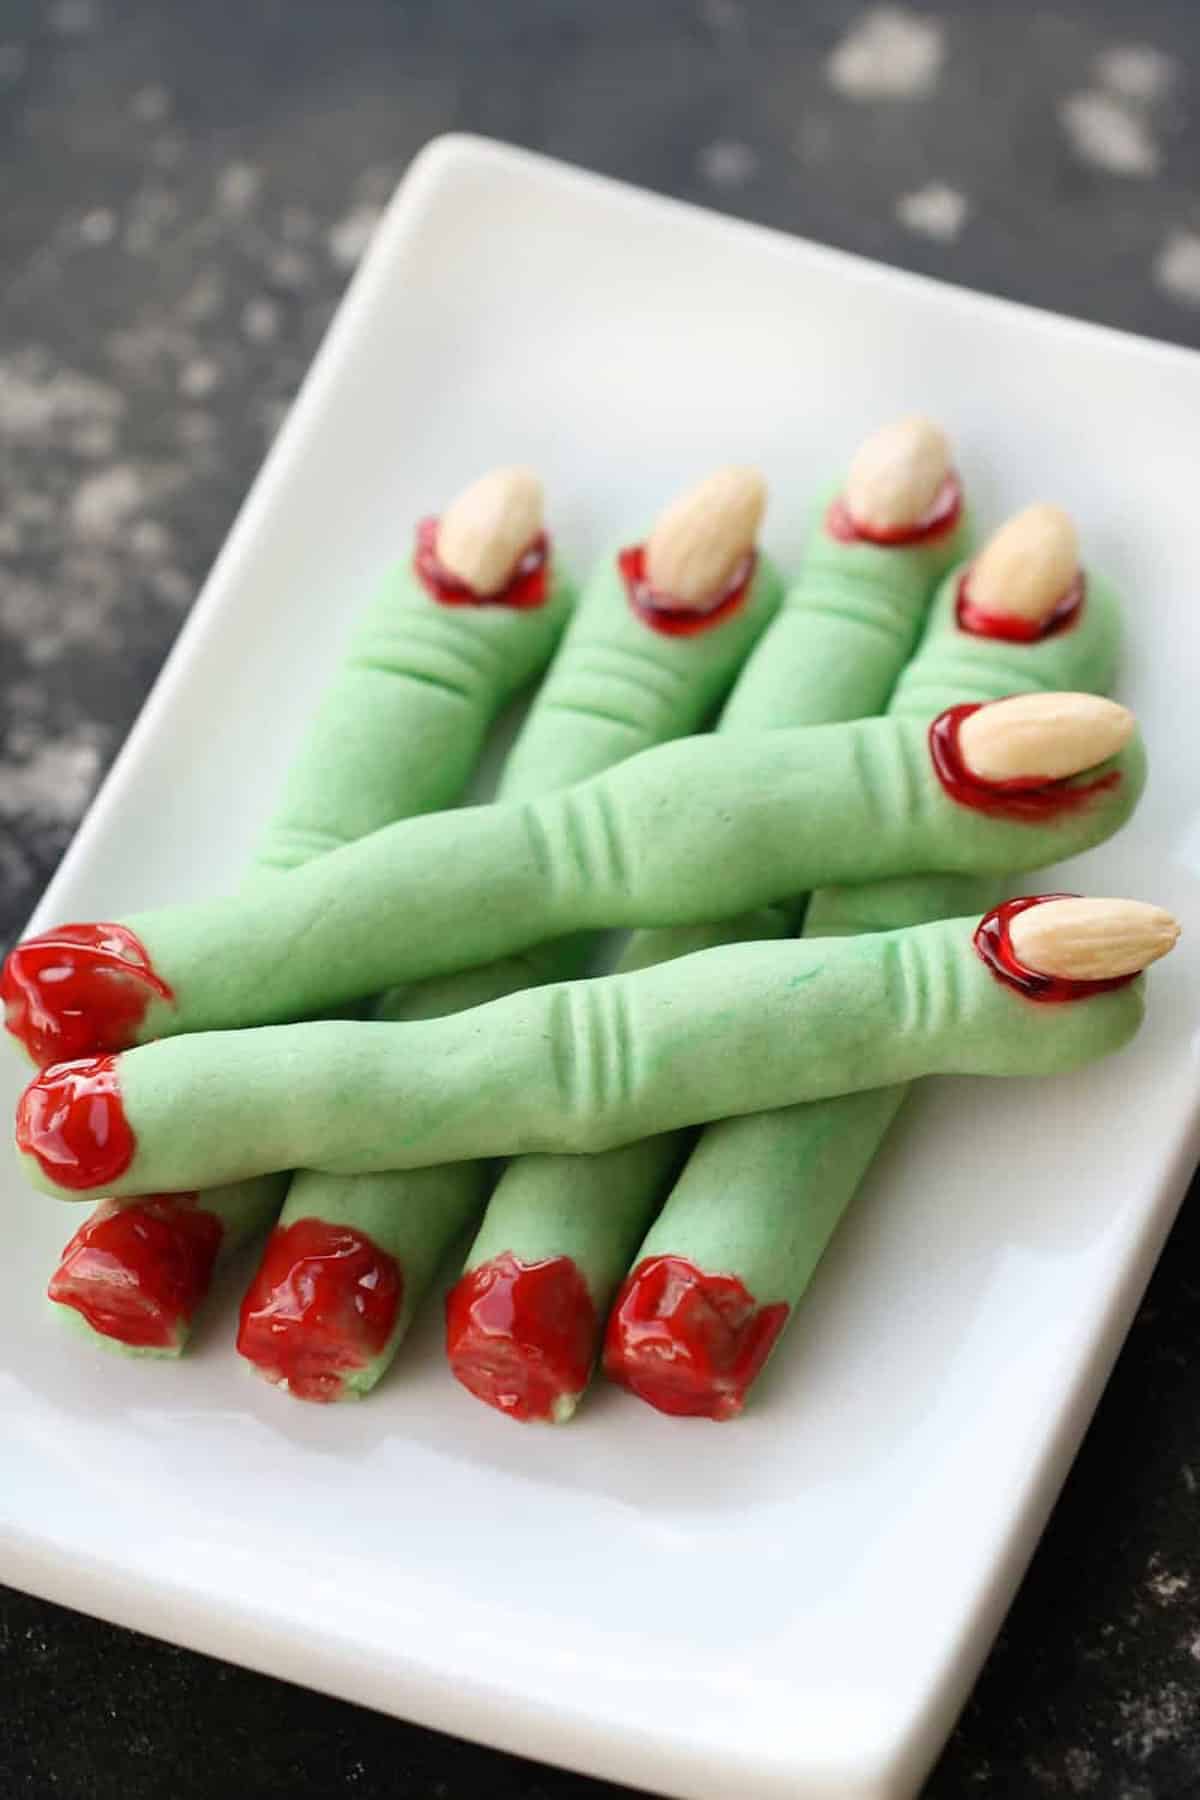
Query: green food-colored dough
398, 732
615, 687
761, 1195
849, 623
245, 1208
704, 828
585, 1065
618, 686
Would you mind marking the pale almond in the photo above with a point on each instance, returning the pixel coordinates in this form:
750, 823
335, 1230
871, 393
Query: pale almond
1092, 940
700, 539
896, 473
483, 534
1047, 736
1024, 570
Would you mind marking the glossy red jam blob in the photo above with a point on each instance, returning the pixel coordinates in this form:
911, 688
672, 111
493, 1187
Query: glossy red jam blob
1025, 797
664, 614
71, 1119
937, 522
522, 1336
1065, 613
78, 990
686, 1342
137, 1270
994, 944
323, 1303
527, 587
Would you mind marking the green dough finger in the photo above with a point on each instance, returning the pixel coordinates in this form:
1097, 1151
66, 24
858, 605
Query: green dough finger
617, 685
705, 828
719, 1273
848, 625
578, 1066
398, 731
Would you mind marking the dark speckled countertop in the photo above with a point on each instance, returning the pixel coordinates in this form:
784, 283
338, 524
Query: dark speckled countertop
187, 187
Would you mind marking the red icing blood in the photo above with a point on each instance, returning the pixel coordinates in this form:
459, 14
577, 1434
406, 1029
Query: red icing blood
1015, 630
527, 587
687, 1342
323, 1303
994, 945
1026, 797
938, 522
71, 1119
78, 990
138, 1270
661, 611
522, 1336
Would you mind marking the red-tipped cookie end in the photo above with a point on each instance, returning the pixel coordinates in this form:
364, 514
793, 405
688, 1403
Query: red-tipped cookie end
71, 1120
686, 1342
321, 1307
79, 990
137, 1271
522, 1336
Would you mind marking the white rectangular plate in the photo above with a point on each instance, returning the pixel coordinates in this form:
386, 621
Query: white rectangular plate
794, 1604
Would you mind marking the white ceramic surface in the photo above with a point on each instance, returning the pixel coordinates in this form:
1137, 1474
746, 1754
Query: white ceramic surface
795, 1604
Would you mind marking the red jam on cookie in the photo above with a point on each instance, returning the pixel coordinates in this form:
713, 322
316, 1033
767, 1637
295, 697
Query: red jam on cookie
323, 1303
521, 1336
79, 990
689, 1343
527, 587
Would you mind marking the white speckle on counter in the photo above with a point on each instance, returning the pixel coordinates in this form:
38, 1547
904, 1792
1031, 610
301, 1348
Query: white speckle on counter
936, 211
173, 586
1104, 133
71, 18
890, 54
289, 268
150, 540
1137, 72
260, 320
152, 209
349, 238
104, 502
98, 226
1177, 272
55, 782
1082, 1769
1166, 1587
204, 298
36, 404
196, 430
726, 163
1152, 1720
151, 104
238, 187
199, 377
